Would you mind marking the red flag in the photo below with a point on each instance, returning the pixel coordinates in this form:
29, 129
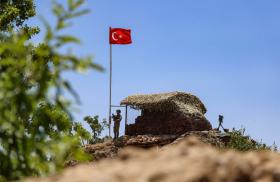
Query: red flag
120, 36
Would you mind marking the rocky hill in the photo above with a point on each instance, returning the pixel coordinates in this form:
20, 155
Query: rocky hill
110, 148
188, 159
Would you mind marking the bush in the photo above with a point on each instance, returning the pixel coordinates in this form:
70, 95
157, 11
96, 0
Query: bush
36, 136
241, 142
96, 127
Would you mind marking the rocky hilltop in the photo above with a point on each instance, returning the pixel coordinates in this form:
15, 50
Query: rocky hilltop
180, 146
188, 159
110, 148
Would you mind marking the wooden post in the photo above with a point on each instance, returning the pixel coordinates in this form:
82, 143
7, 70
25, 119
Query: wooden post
125, 119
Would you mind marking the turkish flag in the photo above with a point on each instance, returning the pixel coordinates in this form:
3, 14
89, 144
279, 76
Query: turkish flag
120, 36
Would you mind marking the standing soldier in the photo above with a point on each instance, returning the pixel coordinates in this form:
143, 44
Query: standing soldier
117, 120
221, 120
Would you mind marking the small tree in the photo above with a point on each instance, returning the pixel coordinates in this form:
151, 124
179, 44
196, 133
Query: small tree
82, 133
96, 127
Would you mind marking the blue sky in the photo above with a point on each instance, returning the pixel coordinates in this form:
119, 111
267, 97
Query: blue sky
225, 52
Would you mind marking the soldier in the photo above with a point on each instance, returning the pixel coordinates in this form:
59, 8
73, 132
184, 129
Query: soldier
117, 119
221, 120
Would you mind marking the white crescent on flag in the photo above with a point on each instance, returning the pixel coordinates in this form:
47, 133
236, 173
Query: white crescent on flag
113, 36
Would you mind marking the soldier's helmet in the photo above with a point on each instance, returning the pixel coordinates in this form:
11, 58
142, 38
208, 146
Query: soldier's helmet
118, 111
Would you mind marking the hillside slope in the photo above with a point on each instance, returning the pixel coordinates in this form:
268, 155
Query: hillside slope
188, 160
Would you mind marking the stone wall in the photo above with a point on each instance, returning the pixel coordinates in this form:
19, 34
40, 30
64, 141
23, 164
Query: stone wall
166, 123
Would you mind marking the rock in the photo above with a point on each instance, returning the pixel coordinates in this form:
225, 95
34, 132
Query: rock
102, 150
110, 148
189, 160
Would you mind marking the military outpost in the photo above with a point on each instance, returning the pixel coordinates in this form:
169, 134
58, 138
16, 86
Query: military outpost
165, 118
167, 113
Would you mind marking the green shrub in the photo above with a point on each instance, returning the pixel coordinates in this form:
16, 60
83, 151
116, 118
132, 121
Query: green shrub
241, 142
36, 127
82, 133
96, 127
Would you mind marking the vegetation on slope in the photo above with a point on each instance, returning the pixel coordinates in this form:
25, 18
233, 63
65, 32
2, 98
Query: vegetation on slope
240, 141
37, 132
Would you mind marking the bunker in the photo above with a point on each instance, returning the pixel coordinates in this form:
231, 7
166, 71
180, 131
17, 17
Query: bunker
172, 113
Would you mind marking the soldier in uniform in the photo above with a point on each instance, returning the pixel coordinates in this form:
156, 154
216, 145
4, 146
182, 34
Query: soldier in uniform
117, 120
221, 120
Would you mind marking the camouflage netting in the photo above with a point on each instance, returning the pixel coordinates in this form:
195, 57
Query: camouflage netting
179, 102
167, 113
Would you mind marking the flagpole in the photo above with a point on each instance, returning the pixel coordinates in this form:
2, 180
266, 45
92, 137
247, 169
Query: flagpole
123, 37
110, 92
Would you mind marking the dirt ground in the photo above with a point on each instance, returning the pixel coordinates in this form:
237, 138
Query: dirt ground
188, 160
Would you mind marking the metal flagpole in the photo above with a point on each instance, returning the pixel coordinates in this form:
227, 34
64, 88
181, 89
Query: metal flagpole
110, 95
